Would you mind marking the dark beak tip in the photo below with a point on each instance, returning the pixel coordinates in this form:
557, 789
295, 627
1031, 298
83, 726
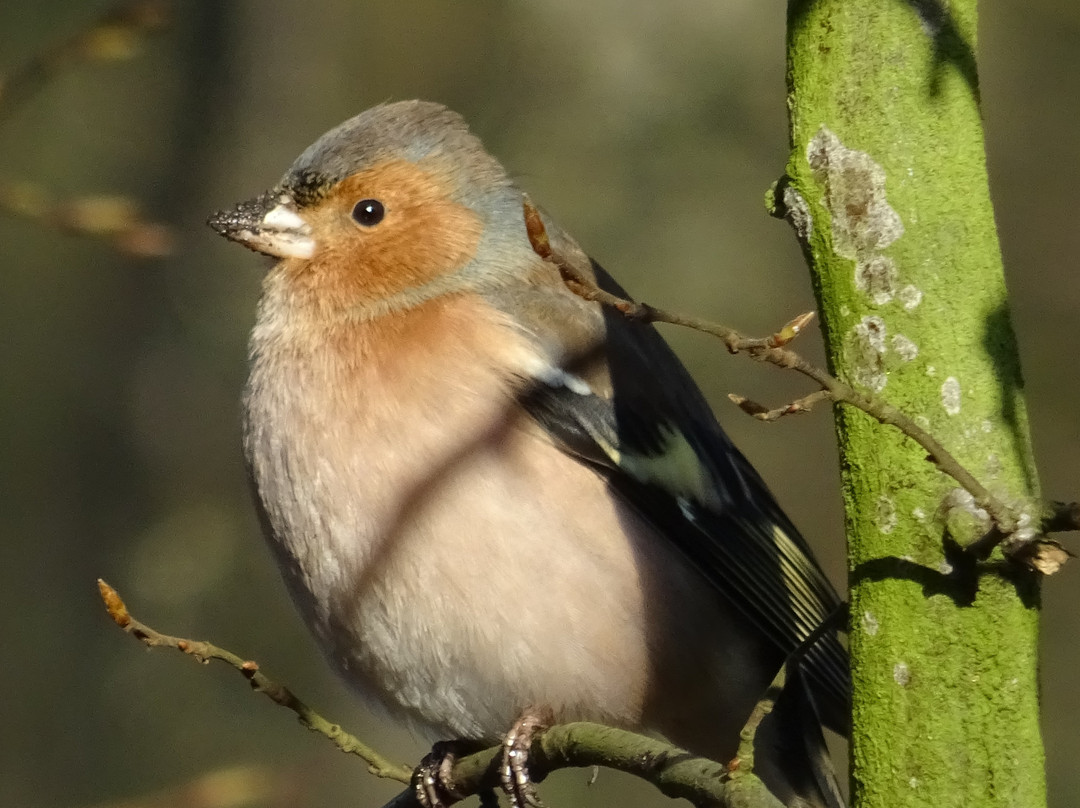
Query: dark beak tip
244, 216
218, 222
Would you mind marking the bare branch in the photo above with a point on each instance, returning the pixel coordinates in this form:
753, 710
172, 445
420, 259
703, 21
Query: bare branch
112, 37
762, 413
112, 218
771, 350
260, 682
675, 772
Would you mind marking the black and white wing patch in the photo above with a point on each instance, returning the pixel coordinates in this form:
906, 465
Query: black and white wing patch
652, 433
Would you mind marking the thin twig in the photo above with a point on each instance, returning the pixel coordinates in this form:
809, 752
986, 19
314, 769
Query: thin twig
771, 350
112, 218
763, 413
675, 772
115, 35
745, 760
260, 682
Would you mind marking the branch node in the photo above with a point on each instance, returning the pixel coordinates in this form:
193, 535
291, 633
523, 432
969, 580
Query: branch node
771, 350
763, 413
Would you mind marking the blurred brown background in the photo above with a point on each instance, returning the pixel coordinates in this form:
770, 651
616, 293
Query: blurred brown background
650, 129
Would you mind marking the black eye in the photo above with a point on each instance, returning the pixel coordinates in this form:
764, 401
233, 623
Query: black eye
368, 212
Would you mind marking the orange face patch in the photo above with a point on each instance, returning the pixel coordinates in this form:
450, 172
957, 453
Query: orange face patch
423, 234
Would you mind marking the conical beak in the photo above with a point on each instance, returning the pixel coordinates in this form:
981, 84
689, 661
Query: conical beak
268, 224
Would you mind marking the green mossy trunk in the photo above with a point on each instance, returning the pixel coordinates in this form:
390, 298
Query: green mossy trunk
888, 191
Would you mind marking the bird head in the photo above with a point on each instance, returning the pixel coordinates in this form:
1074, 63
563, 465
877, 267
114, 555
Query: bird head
398, 204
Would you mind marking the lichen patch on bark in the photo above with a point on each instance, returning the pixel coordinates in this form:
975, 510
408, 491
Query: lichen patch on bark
863, 221
798, 214
910, 297
950, 395
905, 348
886, 514
866, 351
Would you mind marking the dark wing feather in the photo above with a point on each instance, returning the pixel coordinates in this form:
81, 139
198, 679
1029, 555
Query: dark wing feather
724, 518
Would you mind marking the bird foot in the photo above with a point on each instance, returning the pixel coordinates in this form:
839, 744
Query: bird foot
516, 780
432, 782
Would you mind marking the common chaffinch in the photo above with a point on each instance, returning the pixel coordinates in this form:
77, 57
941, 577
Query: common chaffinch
487, 493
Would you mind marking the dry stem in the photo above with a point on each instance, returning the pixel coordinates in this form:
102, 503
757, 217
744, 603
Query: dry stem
772, 350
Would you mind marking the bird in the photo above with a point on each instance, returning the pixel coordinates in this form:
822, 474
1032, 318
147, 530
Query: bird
489, 494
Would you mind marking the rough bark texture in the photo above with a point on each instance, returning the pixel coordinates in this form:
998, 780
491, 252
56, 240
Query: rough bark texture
888, 191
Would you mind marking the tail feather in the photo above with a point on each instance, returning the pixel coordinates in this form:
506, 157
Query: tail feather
790, 753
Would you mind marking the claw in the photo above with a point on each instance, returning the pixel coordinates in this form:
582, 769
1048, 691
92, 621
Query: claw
516, 781
431, 780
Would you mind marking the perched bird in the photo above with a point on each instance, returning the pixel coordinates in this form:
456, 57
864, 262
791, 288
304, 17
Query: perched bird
487, 493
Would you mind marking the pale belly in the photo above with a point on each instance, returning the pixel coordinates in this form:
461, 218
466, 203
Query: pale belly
509, 577
456, 567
